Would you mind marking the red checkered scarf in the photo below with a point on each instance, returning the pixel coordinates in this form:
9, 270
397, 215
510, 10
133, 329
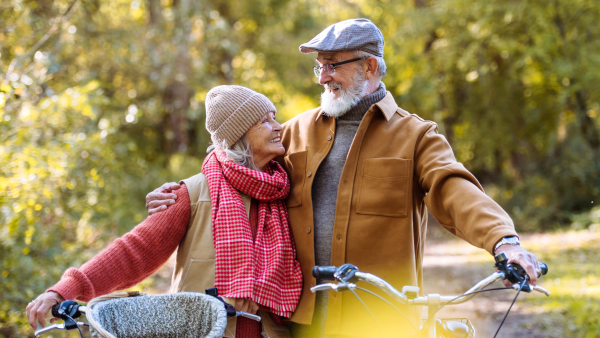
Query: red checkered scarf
264, 270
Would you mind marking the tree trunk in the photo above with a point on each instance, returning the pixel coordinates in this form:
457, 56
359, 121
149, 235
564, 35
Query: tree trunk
176, 98
154, 12
586, 124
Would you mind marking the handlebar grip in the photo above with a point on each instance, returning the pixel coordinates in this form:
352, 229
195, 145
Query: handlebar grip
543, 268
324, 272
68, 309
54, 310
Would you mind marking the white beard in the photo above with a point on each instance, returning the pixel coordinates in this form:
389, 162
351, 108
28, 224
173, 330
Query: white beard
349, 97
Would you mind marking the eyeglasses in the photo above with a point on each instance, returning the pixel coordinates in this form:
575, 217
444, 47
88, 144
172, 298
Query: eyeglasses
330, 68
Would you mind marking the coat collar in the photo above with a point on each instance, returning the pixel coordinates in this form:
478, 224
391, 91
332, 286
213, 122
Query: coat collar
387, 106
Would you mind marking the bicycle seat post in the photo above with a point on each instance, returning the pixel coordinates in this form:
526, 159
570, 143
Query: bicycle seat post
433, 304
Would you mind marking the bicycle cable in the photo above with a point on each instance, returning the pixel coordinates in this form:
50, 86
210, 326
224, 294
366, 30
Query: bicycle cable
74, 321
461, 296
392, 305
366, 307
432, 316
511, 305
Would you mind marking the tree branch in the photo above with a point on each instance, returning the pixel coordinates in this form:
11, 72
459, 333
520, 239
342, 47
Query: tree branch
64, 18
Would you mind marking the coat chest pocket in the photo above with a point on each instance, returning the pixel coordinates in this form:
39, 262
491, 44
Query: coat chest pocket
295, 165
385, 186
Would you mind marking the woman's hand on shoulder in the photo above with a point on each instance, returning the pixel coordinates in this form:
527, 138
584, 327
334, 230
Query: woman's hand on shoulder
39, 307
160, 198
246, 305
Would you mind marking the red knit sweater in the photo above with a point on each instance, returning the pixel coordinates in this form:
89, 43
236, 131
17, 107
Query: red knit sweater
136, 256
131, 258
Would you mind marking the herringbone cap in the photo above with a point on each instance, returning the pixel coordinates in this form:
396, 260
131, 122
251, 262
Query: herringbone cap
353, 34
232, 110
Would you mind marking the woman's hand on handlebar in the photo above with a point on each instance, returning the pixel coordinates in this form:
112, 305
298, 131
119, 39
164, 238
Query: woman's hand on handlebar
38, 308
527, 260
246, 305
160, 198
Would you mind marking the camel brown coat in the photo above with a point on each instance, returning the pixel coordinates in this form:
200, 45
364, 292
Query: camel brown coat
397, 166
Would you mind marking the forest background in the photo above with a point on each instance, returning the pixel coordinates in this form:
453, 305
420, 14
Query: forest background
102, 101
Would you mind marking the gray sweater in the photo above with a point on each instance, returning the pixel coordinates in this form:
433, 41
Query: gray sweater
324, 197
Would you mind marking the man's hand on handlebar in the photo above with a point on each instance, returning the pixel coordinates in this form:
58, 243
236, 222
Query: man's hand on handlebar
160, 198
527, 260
37, 309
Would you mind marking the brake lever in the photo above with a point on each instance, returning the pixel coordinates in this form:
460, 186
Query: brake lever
231, 312
528, 288
60, 326
541, 290
247, 315
334, 287
49, 328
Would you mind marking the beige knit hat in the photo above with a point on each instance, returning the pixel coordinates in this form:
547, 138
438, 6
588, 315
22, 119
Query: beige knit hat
232, 110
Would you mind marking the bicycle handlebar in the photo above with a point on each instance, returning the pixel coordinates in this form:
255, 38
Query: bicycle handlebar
324, 272
348, 274
68, 310
543, 268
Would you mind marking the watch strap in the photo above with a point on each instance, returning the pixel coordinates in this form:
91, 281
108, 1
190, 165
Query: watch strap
510, 240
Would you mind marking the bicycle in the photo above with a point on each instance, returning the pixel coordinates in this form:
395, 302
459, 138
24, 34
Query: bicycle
347, 275
133, 314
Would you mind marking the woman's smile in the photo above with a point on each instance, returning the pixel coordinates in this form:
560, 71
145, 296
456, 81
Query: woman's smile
264, 139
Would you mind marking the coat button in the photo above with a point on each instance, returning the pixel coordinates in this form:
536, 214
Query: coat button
308, 230
309, 174
339, 238
329, 138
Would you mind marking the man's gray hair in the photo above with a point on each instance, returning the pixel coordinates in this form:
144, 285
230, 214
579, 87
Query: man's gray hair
381, 67
239, 152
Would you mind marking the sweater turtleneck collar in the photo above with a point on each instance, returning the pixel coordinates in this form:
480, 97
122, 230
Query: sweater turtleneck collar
357, 112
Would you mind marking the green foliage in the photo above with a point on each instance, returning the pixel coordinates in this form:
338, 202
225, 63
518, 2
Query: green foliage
587, 220
573, 280
512, 85
102, 101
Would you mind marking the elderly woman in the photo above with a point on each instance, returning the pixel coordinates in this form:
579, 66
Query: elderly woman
229, 223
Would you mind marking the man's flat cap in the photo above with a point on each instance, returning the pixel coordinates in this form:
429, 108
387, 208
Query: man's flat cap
353, 34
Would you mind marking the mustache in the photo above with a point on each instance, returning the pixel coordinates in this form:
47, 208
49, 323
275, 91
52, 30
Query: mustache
333, 85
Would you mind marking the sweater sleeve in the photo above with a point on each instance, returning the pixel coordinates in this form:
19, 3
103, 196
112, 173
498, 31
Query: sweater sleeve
131, 258
455, 197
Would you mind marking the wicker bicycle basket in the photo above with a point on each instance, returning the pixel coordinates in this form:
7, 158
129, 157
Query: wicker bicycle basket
184, 314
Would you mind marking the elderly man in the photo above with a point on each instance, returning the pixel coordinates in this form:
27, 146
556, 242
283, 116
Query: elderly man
363, 171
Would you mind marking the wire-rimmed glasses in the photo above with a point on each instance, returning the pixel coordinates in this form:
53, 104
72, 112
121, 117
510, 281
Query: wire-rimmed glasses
330, 68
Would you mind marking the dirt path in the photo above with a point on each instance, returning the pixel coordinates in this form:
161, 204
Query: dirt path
451, 266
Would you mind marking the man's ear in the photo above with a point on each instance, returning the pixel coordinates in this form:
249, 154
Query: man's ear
370, 67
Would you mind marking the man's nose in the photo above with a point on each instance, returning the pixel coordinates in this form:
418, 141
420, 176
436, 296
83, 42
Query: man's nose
324, 77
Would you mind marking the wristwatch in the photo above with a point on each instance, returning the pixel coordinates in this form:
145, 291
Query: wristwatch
512, 240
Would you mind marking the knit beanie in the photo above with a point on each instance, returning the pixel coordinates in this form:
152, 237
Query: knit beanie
232, 110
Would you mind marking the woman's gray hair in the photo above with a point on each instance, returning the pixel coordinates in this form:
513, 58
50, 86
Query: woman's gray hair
239, 152
381, 67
